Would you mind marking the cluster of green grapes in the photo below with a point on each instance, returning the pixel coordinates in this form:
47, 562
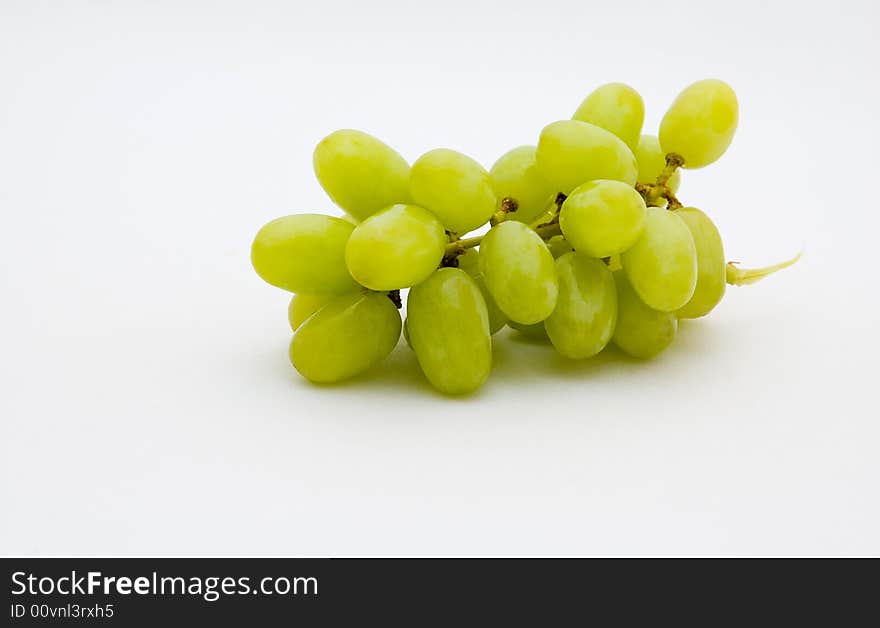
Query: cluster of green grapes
587, 243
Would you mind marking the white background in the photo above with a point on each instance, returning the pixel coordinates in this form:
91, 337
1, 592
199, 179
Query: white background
147, 402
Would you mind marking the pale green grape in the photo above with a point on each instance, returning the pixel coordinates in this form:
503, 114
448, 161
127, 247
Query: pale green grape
304, 305
583, 321
536, 331
602, 218
396, 247
662, 264
406, 334
701, 122
711, 267
351, 333
454, 187
640, 331
617, 108
519, 272
571, 152
558, 246
652, 161
449, 331
515, 175
304, 253
469, 262
360, 173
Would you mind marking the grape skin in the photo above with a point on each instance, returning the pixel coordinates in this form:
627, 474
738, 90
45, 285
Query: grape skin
515, 175
448, 328
641, 332
586, 311
304, 305
469, 262
571, 152
360, 173
536, 331
347, 336
395, 248
617, 108
455, 188
662, 264
700, 123
304, 253
519, 272
602, 218
711, 267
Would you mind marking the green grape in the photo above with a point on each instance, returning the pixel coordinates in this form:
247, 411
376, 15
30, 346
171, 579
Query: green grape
558, 246
515, 175
396, 247
406, 334
360, 173
536, 331
652, 161
519, 272
711, 267
583, 321
617, 108
469, 262
454, 187
640, 331
304, 253
571, 152
351, 333
662, 264
449, 331
304, 305
602, 218
701, 122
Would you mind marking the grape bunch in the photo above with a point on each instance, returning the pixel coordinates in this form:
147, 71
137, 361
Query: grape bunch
587, 243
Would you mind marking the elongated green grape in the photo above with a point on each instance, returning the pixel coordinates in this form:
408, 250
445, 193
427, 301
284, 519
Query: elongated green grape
515, 175
304, 305
617, 108
640, 331
360, 173
571, 152
652, 161
711, 267
701, 122
351, 333
449, 331
396, 247
304, 253
602, 218
519, 272
536, 331
586, 311
662, 264
454, 187
469, 262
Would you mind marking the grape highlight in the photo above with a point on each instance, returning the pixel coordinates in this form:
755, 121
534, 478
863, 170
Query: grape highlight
587, 244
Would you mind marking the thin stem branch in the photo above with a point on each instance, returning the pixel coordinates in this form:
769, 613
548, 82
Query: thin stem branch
737, 276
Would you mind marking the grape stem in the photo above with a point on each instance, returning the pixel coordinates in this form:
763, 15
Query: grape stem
737, 276
652, 192
453, 249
